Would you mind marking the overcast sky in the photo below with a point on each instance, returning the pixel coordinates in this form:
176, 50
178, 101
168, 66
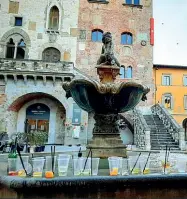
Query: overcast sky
170, 32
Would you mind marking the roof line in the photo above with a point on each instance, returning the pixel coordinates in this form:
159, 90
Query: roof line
169, 66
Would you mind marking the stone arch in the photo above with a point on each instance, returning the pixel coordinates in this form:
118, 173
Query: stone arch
15, 105
16, 31
51, 55
52, 105
50, 45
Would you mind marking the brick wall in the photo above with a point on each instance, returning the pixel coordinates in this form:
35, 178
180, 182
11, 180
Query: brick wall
117, 18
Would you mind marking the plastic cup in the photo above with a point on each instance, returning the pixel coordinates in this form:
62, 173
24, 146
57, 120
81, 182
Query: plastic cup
48, 163
21, 171
76, 167
125, 167
95, 166
85, 165
144, 165
49, 168
134, 165
82, 166
12, 166
114, 165
38, 165
181, 165
63, 164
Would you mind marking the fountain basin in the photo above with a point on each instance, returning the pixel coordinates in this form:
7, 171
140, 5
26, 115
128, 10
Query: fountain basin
147, 187
109, 98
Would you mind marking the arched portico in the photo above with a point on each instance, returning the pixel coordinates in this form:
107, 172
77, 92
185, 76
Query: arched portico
18, 115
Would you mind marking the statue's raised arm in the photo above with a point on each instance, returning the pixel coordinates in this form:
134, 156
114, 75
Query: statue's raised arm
107, 55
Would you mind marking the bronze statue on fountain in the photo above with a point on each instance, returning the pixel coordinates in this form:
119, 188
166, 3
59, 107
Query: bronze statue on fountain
107, 54
106, 99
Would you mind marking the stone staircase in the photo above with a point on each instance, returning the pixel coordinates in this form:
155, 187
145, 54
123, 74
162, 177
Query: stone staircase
159, 135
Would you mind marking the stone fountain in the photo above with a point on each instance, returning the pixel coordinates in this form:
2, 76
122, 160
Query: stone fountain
106, 99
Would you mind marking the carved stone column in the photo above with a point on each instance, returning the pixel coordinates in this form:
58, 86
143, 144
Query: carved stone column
106, 124
106, 139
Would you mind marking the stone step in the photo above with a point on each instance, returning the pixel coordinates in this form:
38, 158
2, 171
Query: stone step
152, 118
164, 145
158, 130
162, 140
160, 148
153, 123
159, 133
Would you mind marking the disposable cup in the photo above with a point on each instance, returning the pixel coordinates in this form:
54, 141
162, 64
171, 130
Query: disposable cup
95, 166
114, 165
38, 165
134, 165
21, 171
125, 167
181, 165
82, 166
12, 166
63, 164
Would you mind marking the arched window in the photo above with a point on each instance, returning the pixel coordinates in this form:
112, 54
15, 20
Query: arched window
10, 48
51, 55
126, 38
129, 72
16, 51
97, 35
21, 50
167, 101
54, 18
122, 72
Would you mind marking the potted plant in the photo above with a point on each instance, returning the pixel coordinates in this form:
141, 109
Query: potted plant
40, 140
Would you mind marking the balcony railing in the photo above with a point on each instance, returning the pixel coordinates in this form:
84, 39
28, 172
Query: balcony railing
35, 65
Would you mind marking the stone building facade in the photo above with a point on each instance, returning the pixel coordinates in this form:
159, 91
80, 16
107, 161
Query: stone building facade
129, 23
38, 42
45, 43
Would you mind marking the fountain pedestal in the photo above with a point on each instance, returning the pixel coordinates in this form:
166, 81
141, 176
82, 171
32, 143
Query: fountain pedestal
106, 139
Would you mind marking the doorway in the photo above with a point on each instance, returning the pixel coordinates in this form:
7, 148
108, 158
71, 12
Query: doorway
37, 116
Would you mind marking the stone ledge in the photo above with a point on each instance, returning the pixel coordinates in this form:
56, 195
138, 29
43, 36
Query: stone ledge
133, 5
96, 182
98, 1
